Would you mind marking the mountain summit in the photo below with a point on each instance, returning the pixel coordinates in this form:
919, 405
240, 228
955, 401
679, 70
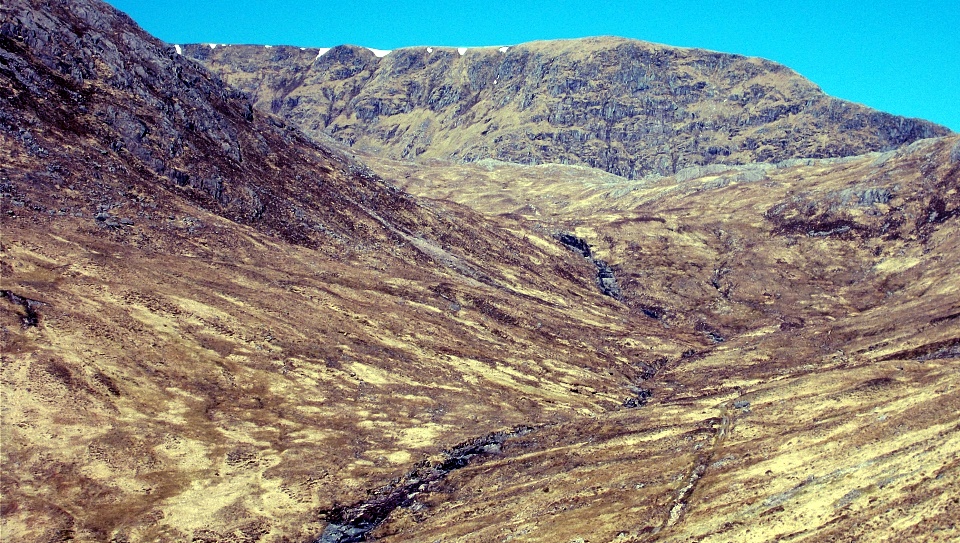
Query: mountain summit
628, 107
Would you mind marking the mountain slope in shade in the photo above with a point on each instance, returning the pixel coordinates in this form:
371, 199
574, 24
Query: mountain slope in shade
628, 107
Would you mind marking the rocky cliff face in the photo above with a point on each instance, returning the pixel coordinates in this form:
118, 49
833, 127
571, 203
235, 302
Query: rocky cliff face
121, 123
628, 107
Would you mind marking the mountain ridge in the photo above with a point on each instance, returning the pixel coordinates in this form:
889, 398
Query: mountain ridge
625, 106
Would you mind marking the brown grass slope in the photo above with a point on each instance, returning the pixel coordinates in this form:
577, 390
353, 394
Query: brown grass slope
215, 329
628, 107
826, 409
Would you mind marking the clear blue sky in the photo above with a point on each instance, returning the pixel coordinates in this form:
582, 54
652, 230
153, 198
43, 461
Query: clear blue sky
902, 57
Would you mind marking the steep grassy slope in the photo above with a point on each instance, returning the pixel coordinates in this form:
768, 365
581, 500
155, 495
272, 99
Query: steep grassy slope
215, 329
826, 407
718, 244
233, 382
628, 107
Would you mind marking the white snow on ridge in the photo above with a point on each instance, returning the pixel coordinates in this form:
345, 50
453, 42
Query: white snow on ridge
268, 46
212, 45
380, 53
179, 50
503, 49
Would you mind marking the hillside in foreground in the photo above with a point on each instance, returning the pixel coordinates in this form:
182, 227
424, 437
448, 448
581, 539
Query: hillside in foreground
213, 326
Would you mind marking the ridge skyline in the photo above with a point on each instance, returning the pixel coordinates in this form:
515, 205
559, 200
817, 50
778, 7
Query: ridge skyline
616, 92
898, 61
381, 53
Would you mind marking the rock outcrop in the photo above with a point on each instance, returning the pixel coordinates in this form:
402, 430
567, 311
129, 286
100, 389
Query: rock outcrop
100, 104
606, 280
628, 107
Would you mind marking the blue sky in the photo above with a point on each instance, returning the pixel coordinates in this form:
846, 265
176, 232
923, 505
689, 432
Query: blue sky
901, 57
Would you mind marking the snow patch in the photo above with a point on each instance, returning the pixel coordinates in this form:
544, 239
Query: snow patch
322, 51
503, 49
461, 50
429, 49
212, 45
268, 47
379, 53
179, 50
